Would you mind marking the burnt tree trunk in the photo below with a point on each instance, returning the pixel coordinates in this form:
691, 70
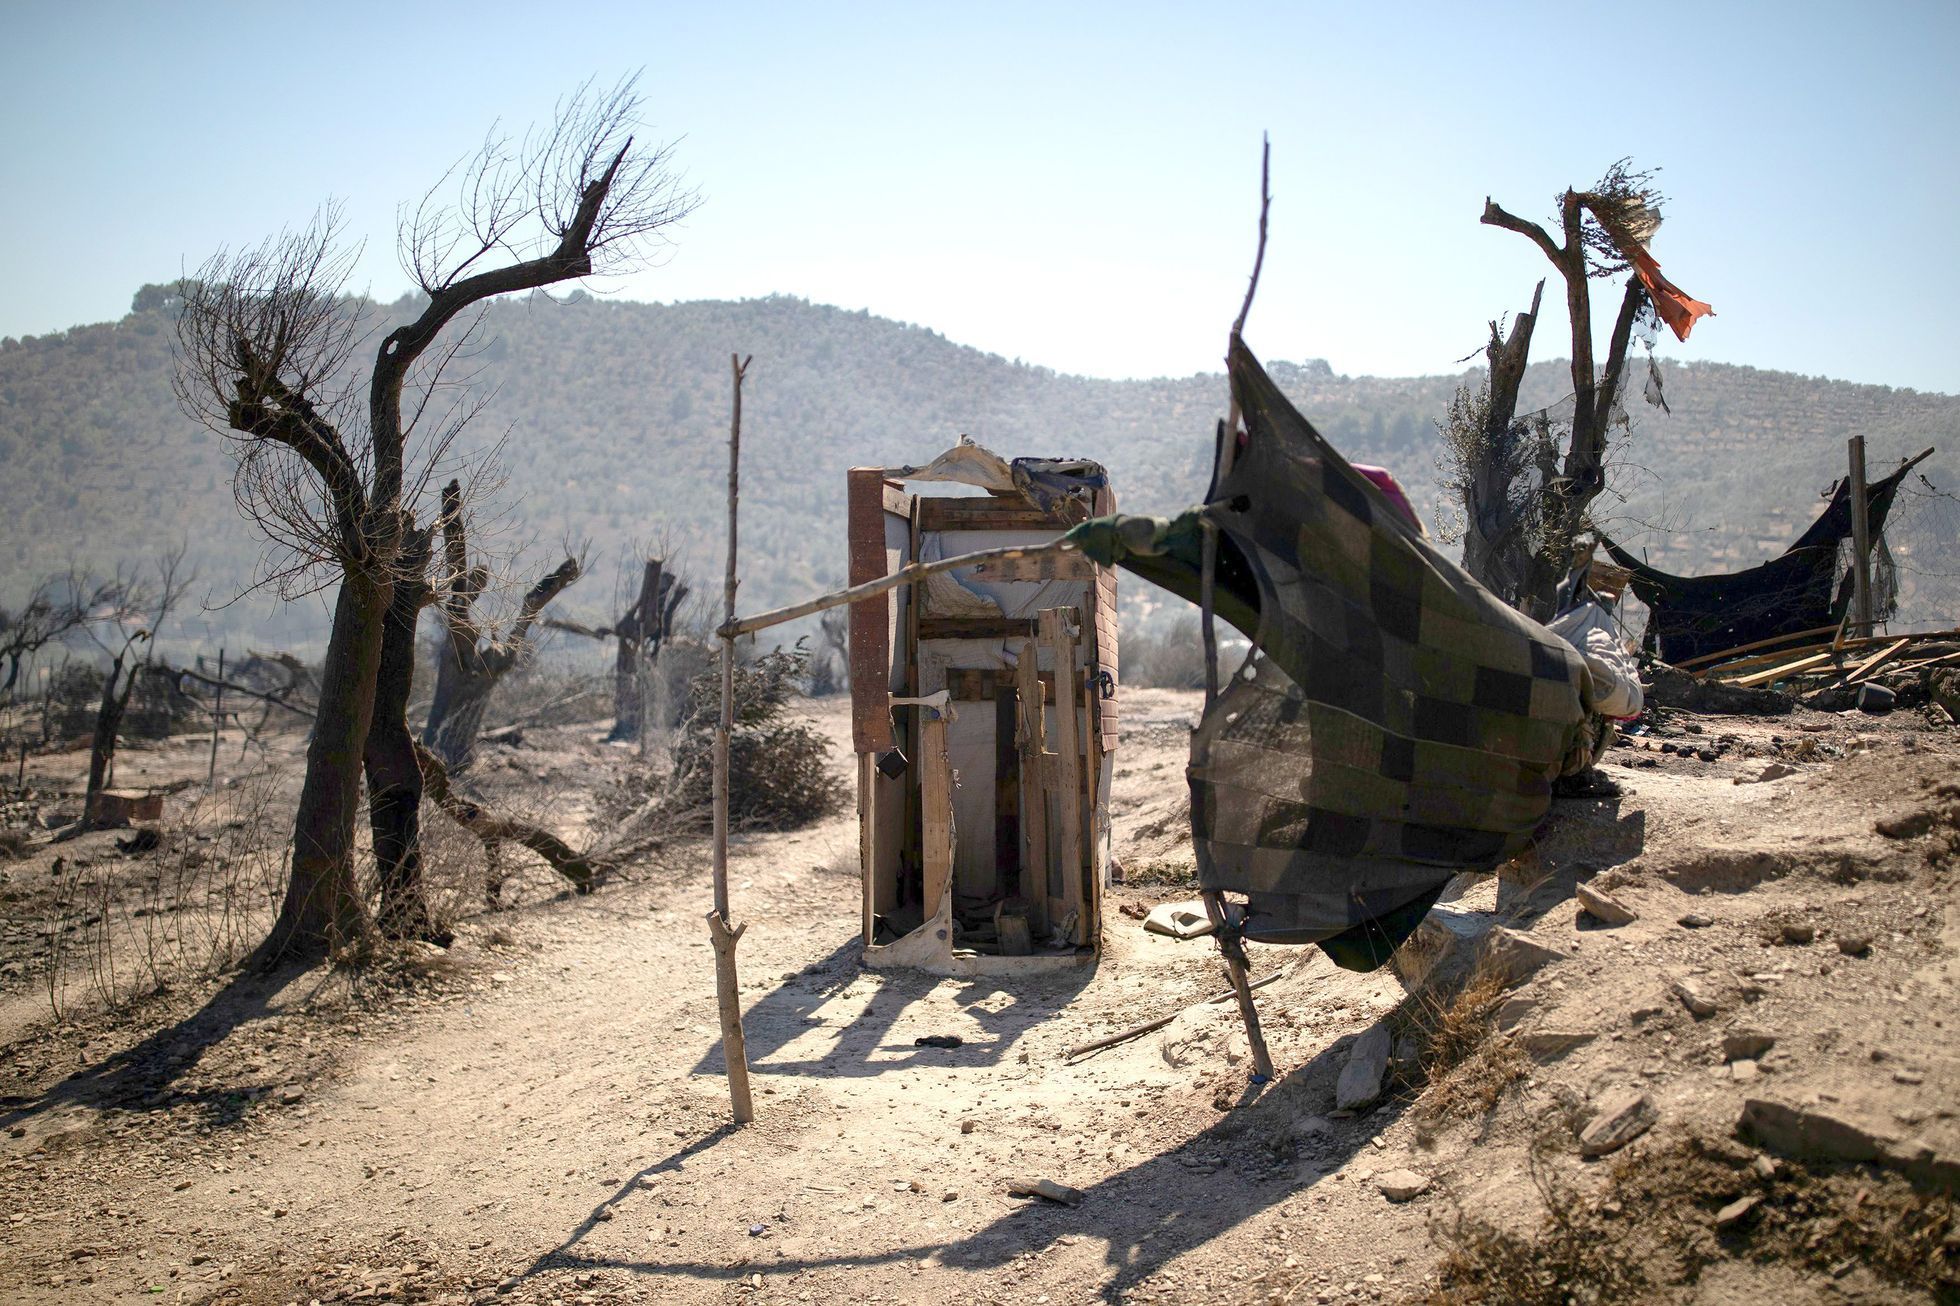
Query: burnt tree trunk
1569, 493
394, 777
116, 687
471, 665
1496, 545
323, 910
641, 631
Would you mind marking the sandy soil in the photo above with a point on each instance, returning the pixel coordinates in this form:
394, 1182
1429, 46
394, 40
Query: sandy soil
539, 1114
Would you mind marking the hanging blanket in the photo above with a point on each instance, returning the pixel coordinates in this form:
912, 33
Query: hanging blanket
1396, 724
1800, 589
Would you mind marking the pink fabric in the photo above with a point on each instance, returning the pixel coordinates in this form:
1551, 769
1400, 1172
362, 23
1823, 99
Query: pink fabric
1385, 482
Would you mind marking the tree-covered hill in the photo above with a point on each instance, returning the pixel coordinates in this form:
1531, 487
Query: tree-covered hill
613, 419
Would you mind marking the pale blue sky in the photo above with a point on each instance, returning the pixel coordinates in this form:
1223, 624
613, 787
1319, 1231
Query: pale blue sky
1070, 184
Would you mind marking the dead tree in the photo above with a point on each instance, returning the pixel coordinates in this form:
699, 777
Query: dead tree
640, 632
472, 659
1605, 230
266, 345
126, 668
58, 608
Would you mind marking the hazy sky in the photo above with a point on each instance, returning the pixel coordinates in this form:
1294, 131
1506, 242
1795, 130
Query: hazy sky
1074, 185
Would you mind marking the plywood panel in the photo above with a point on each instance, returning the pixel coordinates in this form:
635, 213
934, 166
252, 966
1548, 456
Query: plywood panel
936, 812
870, 628
1057, 634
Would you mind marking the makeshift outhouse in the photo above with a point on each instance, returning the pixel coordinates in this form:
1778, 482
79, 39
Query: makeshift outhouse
984, 715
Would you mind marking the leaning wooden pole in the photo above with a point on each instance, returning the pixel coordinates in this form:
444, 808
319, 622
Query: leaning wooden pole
728, 990
1230, 937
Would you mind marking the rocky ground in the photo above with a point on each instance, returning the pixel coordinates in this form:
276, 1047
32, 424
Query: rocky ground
1727, 1078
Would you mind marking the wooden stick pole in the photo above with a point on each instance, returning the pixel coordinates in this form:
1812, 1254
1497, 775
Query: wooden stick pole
217, 723
1861, 538
728, 990
1231, 945
909, 574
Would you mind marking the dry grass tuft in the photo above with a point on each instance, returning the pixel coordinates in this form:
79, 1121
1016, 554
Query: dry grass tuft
1466, 1064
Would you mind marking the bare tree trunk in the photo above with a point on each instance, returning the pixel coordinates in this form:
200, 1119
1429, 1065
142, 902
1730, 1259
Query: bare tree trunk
469, 668
116, 687
1569, 493
394, 777
1496, 549
323, 910
456, 714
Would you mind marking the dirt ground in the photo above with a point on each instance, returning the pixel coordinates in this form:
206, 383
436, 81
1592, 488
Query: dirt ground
538, 1114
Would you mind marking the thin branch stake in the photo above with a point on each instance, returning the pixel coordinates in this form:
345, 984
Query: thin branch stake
1265, 205
728, 990
1227, 931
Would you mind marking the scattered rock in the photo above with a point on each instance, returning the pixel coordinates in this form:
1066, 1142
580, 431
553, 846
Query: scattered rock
1512, 1011
292, 1095
1361, 1078
1798, 934
1603, 906
1517, 956
1401, 1185
968, 1126
1694, 920
938, 1041
1047, 1189
1774, 771
1551, 1044
1854, 945
1746, 1045
1698, 1003
1737, 1211
1624, 1115
1744, 1070
1909, 826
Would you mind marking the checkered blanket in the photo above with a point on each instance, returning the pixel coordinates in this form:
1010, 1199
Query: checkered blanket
1397, 723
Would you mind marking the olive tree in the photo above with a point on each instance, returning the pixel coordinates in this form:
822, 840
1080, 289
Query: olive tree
335, 455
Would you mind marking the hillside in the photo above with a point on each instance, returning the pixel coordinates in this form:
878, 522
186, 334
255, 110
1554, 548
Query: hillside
614, 417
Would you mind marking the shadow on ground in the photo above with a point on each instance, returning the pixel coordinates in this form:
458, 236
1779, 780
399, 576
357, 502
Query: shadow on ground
1150, 1214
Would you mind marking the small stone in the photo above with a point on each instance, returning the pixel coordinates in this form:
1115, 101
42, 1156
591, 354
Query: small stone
1401, 1185
1743, 1070
1798, 934
950, 1195
1746, 1045
292, 1095
1551, 1044
1707, 754
1518, 956
1908, 1077
968, 1126
1854, 945
1361, 1078
1694, 920
1623, 1116
1737, 1211
1603, 906
1766, 1168
1698, 1003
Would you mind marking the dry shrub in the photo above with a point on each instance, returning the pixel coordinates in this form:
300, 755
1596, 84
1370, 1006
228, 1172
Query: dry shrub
1652, 1229
779, 775
1466, 1064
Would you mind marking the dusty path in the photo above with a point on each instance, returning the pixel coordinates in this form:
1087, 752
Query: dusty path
540, 1115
